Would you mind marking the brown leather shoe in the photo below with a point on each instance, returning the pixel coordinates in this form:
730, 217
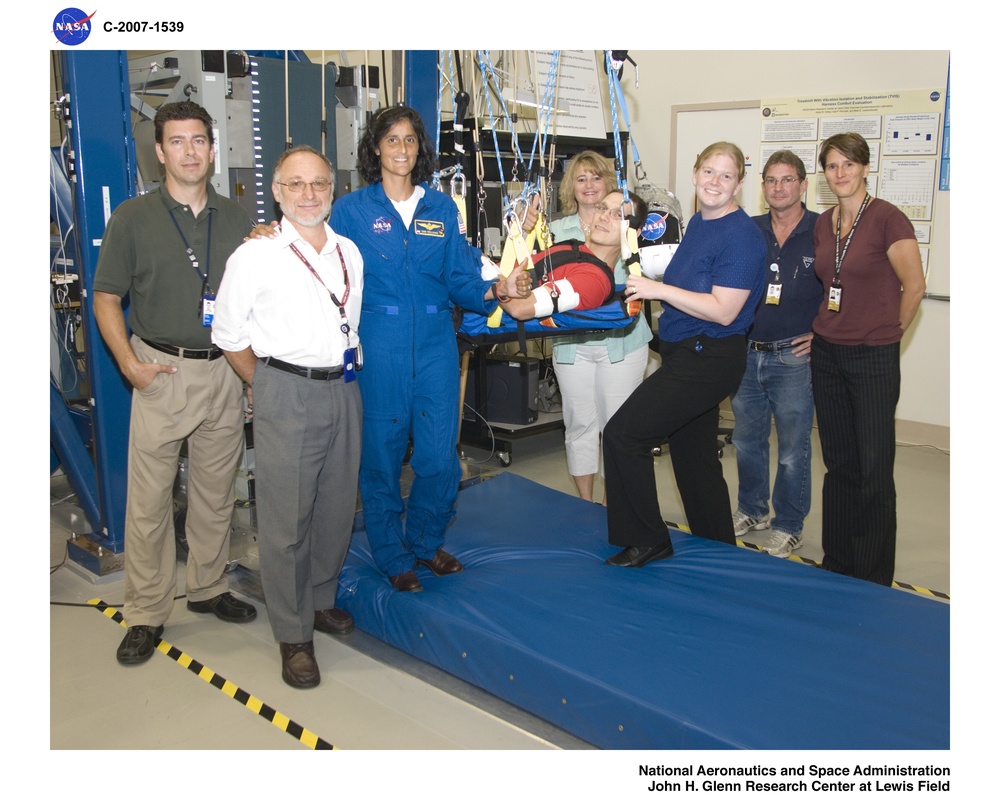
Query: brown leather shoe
442, 564
298, 665
334, 620
406, 582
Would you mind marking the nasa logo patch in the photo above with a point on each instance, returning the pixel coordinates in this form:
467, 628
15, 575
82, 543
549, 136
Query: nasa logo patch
655, 227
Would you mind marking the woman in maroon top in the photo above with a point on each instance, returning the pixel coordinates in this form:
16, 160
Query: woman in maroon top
873, 280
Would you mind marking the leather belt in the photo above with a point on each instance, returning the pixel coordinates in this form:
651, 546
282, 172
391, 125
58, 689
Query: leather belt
185, 352
768, 347
316, 373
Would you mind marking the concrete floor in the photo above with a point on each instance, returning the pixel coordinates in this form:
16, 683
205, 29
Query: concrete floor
373, 699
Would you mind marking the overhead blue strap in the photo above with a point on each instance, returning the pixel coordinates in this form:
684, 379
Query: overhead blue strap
542, 129
617, 98
628, 124
613, 96
487, 66
540, 142
483, 58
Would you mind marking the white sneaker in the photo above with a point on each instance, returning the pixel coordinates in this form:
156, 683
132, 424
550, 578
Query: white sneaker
744, 522
781, 544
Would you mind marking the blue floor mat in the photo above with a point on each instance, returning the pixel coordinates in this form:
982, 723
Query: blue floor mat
717, 647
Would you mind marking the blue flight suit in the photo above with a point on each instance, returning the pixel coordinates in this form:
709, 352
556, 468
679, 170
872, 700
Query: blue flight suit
410, 380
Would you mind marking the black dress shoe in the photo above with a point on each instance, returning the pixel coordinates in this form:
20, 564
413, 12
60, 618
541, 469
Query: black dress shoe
225, 607
138, 645
334, 620
406, 582
442, 564
638, 556
298, 665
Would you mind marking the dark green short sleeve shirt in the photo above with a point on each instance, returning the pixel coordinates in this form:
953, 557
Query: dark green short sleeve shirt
143, 255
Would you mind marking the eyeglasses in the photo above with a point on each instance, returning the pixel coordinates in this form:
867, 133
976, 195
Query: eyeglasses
318, 187
788, 180
616, 213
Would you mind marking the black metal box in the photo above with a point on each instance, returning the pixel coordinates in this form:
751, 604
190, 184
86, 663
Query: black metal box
508, 392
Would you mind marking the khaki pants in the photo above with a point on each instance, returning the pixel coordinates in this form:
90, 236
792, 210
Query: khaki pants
200, 403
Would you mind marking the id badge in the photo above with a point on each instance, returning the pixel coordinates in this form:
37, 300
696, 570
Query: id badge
349, 372
207, 310
773, 294
833, 304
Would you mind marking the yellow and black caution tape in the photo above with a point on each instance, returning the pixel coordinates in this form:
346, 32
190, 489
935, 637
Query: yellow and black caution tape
921, 590
792, 557
261, 709
812, 563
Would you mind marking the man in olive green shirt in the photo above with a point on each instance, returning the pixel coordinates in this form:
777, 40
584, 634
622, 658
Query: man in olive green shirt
167, 251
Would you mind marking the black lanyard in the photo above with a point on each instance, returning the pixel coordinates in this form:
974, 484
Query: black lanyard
345, 326
205, 286
841, 254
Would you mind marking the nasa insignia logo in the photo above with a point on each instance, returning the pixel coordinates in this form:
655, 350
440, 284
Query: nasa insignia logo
72, 26
655, 227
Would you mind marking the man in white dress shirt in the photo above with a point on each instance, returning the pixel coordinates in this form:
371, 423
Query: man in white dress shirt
287, 318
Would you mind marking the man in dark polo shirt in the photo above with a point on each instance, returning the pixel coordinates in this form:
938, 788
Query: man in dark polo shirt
777, 382
167, 251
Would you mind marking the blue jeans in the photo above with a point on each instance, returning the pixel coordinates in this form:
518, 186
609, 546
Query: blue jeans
780, 385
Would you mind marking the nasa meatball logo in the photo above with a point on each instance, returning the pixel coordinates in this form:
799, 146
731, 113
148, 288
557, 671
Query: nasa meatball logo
72, 26
382, 225
655, 227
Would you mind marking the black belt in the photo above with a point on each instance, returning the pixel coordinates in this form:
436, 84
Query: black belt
316, 373
768, 347
185, 352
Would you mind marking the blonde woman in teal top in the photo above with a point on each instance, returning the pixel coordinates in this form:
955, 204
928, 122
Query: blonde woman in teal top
596, 373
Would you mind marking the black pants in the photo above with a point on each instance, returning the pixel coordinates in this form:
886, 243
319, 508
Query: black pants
678, 405
856, 389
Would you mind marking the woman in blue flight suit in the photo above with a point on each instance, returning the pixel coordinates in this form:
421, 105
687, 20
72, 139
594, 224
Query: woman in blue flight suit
417, 265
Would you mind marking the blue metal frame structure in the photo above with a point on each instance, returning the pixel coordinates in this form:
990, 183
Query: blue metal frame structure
103, 176
421, 72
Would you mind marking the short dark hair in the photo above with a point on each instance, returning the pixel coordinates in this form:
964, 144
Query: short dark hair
639, 211
788, 158
369, 163
301, 148
852, 145
176, 112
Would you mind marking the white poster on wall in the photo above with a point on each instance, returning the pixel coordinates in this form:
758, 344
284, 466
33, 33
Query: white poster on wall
579, 93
